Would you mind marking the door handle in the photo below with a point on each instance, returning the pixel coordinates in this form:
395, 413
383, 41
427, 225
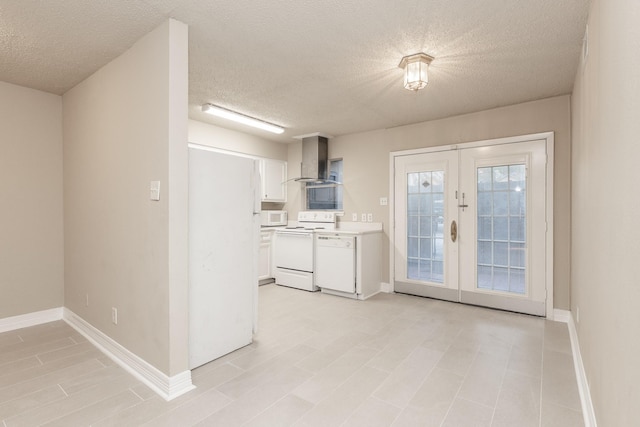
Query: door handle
463, 205
454, 231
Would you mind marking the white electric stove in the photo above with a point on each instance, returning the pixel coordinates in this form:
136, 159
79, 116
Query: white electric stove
294, 249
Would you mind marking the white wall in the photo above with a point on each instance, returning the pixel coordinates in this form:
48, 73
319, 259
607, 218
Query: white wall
31, 224
366, 165
237, 142
605, 234
125, 126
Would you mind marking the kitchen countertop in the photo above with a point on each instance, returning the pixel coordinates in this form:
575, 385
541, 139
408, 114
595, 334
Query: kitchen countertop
353, 228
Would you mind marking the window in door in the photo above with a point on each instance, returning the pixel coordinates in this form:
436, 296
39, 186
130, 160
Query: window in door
425, 217
501, 222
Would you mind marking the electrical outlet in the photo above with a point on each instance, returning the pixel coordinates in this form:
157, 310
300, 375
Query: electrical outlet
364, 217
370, 217
354, 217
114, 315
86, 301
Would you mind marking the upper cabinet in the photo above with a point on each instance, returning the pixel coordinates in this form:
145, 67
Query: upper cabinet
274, 177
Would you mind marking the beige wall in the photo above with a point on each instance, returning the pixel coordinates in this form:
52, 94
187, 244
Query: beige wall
237, 142
366, 165
31, 233
606, 206
125, 126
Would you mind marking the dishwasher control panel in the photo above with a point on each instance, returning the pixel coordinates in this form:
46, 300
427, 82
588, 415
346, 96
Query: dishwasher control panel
336, 241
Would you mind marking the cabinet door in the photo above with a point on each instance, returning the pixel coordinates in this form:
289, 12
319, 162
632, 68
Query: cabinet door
264, 264
274, 175
264, 269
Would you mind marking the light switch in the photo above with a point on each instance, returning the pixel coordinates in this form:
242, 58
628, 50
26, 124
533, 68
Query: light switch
354, 217
383, 201
154, 193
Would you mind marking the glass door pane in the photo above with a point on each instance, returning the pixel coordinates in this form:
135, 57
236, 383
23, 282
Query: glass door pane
425, 219
501, 225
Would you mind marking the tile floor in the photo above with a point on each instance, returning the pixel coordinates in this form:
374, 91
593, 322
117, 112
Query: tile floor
318, 360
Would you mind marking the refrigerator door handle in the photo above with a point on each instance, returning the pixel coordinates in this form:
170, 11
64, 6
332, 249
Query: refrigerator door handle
257, 187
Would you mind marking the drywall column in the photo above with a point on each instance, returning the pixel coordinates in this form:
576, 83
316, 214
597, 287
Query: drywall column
31, 240
125, 126
178, 197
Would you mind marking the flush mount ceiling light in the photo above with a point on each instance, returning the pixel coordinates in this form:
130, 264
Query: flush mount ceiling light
240, 118
415, 70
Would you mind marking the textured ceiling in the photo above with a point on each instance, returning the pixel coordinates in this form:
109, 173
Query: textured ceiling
313, 66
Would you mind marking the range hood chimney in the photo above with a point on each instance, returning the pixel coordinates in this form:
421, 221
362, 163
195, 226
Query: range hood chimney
315, 152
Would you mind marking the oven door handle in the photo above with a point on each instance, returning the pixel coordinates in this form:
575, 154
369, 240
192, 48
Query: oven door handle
294, 233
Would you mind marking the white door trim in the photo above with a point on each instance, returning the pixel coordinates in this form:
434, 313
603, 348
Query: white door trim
549, 140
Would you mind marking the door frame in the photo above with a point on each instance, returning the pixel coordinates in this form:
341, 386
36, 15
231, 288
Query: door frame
548, 137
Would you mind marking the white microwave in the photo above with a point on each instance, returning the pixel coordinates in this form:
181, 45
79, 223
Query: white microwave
273, 218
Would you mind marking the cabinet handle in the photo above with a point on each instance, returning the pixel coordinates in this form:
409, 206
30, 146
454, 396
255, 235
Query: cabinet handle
454, 231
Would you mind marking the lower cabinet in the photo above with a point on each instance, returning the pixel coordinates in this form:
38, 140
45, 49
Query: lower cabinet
265, 272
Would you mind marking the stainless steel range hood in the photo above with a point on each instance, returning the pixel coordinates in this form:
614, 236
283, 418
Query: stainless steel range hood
315, 151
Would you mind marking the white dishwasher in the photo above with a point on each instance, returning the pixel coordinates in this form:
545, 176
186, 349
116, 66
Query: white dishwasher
336, 262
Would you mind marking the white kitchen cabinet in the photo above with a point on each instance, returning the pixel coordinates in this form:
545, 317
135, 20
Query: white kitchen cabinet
265, 270
368, 264
274, 176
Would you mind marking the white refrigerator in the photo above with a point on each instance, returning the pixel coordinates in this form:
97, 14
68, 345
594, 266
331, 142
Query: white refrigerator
224, 232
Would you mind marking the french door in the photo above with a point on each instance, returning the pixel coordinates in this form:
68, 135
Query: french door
426, 257
470, 225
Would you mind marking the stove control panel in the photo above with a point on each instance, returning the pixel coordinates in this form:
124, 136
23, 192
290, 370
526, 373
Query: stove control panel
317, 216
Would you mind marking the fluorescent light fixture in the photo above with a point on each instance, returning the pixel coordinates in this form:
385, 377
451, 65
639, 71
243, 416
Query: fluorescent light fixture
415, 70
241, 118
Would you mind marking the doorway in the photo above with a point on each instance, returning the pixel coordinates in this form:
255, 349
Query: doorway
472, 223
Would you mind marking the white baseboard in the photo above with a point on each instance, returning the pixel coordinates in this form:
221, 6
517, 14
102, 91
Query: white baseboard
385, 287
561, 315
30, 319
167, 387
583, 385
369, 296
